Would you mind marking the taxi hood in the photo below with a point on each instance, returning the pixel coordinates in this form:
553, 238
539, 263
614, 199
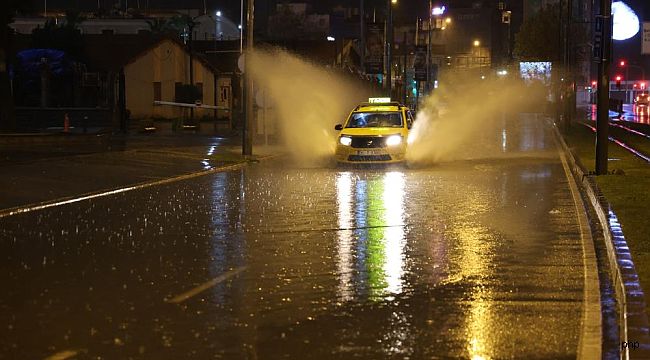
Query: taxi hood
374, 131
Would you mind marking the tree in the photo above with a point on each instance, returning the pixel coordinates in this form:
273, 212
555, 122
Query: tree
65, 37
8, 9
182, 25
538, 37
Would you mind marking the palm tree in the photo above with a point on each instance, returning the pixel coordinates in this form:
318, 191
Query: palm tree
73, 19
158, 26
183, 25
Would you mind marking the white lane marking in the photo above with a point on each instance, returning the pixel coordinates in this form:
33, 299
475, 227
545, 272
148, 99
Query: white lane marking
88, 196
62, 355
199, 289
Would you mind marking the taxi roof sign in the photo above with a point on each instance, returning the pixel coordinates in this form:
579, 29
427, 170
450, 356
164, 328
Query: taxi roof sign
379, 100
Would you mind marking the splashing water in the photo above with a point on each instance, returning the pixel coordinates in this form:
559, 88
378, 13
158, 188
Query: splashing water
455, 121
308, 100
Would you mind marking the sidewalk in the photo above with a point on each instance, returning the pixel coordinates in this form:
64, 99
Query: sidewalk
35, 173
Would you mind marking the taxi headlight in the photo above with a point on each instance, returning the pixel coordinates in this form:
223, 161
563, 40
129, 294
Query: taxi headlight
345, 140
393, 140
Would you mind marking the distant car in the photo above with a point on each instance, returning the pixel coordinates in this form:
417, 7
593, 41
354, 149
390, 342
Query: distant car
374, 132
642, 100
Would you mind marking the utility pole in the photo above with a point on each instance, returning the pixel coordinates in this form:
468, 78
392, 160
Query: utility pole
604, 21
191, 53
247, 141
569, 100
405, 54
427, 86
389, 45
362, 35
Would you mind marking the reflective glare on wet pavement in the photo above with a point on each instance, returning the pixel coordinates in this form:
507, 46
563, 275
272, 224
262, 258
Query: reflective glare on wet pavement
477, 258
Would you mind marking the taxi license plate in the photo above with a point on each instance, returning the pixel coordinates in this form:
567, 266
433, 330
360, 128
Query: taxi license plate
368, 152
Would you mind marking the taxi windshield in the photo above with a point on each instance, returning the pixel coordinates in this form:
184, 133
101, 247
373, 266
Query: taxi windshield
375, 119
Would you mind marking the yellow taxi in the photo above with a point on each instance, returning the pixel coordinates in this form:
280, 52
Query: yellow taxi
375, 132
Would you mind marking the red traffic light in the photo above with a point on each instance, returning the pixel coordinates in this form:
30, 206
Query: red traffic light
594, 83
622, 63
618, 77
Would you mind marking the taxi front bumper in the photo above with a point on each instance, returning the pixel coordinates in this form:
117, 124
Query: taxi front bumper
383, 155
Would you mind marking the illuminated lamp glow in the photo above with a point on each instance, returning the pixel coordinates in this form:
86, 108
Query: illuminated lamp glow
626, 22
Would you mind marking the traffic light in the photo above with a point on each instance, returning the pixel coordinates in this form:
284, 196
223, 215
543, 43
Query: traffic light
618, 82
621, 63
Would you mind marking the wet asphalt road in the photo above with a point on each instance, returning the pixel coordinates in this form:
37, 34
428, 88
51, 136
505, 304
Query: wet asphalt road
475, 258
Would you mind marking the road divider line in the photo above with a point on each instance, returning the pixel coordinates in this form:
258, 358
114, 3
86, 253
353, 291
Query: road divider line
62, 355
205, 286
93, 195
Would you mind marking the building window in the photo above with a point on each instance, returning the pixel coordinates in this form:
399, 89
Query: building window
157, 91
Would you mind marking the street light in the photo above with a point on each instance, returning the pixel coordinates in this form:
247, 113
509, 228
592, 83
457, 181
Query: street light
333, 39
477, 43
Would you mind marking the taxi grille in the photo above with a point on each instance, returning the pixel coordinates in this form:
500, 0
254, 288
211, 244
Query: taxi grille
384, 157
368, 142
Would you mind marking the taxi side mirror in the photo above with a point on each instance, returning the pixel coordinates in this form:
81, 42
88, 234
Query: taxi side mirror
338, 127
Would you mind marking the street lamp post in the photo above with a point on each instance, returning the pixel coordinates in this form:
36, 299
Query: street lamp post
477, 53
362, 36
389, 45
247, 141
627, 75
332, 39
602, 121
435, 12
428, 72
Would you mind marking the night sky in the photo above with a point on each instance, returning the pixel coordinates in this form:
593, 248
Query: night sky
231, 8
405, 8
406, 11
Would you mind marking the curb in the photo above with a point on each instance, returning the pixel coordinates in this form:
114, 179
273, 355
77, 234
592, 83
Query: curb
630, 300
590, 343
59, 139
